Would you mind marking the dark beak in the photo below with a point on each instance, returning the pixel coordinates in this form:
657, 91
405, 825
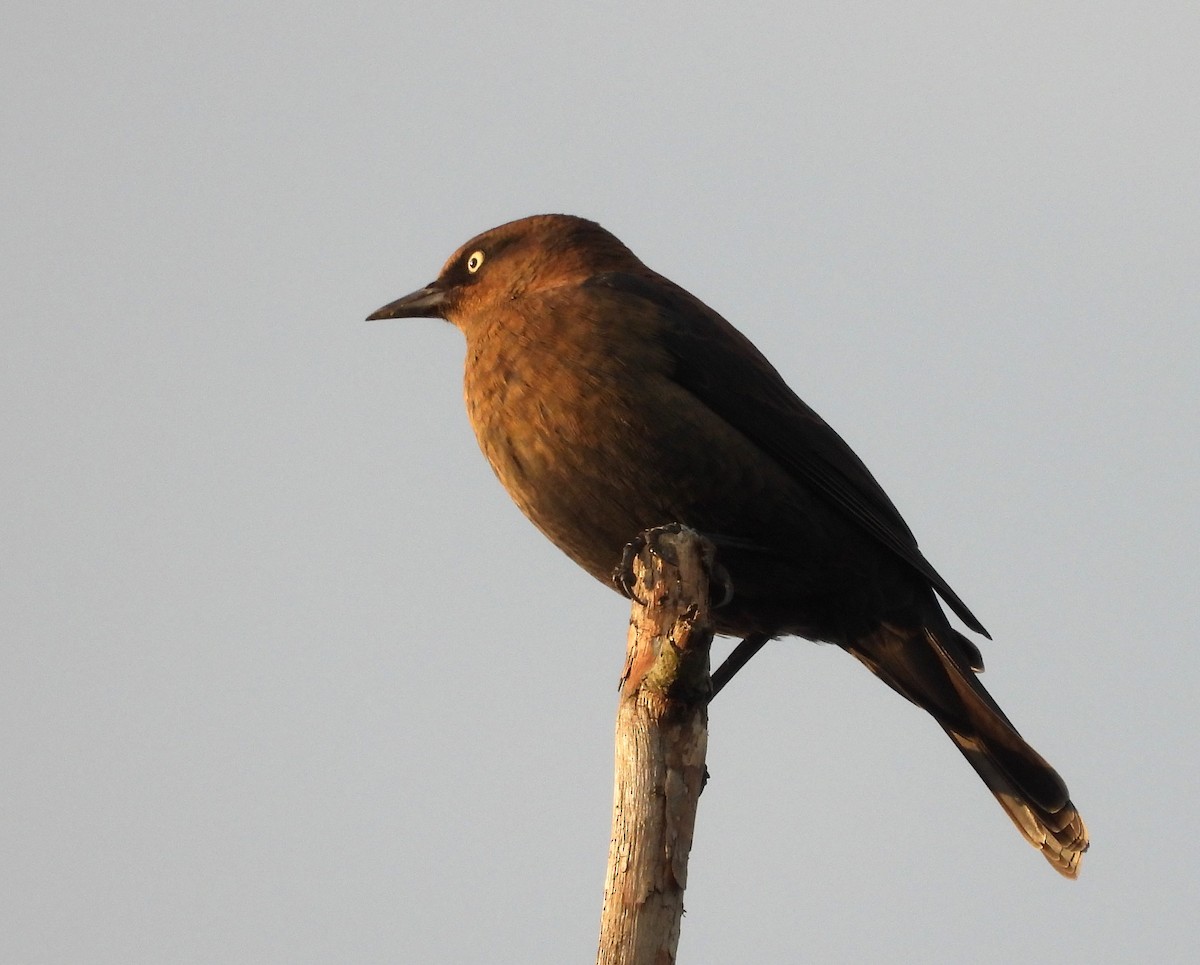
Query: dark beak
425, 302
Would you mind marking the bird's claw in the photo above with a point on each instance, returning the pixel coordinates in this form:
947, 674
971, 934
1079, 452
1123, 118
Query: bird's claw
719, 578
623, 577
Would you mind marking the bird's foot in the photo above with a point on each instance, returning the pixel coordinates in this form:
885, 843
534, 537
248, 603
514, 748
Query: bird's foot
623, 578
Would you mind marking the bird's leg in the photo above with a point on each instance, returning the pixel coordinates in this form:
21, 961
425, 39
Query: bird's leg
737, 659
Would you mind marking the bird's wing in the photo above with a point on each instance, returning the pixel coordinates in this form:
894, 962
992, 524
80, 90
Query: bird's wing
722, 369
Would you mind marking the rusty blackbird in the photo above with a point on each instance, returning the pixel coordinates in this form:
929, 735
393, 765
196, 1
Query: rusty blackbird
609, 400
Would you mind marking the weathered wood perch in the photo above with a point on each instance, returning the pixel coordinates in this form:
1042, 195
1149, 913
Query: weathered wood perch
662, 737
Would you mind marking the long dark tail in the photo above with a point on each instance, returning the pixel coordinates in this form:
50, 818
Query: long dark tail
936, 671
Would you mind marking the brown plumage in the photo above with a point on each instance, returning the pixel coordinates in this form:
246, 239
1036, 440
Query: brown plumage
608, 400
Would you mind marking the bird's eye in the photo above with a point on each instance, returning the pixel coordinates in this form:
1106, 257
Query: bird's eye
474, 261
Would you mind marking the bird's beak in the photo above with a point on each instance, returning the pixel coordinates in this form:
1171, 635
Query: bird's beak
425, 302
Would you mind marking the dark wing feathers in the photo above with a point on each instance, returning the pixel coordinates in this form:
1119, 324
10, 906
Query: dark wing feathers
722, 368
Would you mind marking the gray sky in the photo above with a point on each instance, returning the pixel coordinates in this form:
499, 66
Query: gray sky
286, 678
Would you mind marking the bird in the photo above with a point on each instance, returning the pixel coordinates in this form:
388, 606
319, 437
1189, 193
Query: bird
609, 400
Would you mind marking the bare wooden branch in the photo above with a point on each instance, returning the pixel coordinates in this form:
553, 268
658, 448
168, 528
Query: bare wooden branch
662, 737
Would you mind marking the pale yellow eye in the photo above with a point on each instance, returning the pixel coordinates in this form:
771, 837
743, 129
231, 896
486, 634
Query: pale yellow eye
474, 261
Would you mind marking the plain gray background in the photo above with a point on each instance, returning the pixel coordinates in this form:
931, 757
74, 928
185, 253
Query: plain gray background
284, 675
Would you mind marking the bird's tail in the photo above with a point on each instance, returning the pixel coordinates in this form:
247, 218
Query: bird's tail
936, 670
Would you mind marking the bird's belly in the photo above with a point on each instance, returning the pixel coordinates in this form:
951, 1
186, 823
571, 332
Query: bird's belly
570, 473
592, 473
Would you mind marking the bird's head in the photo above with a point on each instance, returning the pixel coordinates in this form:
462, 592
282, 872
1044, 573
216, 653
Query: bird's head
534, 254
